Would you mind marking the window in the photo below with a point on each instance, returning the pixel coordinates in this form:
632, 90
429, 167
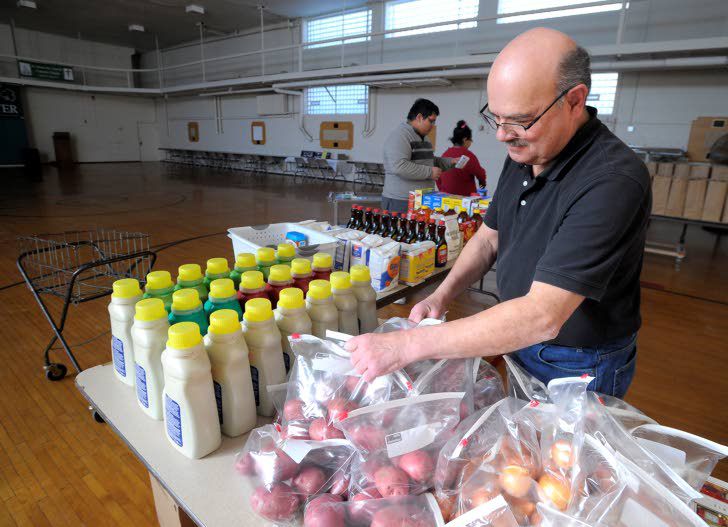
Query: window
506, 7
337, 99
408, 13
603, 92
334, 26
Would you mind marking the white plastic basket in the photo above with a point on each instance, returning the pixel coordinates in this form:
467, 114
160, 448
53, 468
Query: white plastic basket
250, 239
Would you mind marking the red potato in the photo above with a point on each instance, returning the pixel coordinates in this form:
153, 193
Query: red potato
277, 504
391, 481
339, 408
367, 437
320, 430
293, 410
418, 465
340, 485
352, 381
321, 513
294, 431
245, 465
398, 516
369, 468
275, 465
309, 481
364, 505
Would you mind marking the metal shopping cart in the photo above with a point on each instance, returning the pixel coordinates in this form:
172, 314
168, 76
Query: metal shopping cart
79, 266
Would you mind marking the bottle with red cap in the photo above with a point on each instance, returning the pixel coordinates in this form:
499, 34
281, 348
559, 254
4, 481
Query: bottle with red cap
359, 224
394, 229
441, 245
412, 228
431, 231
352, 219
421, 229
376, 222
477, 218
367, 224
385, 230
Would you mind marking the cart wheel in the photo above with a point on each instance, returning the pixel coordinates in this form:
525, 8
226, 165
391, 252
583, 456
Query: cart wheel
98, 418
55, 371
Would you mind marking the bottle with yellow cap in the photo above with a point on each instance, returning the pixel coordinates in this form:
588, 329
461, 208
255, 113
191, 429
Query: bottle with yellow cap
243, 262
366, 311
222, 296
285, 253
189, 276
149, 334
251, 286
216, 268
160, 285
291, 317
345, 302
322, 266
187, 307
190, 411
278, 279
125, 293
301, 274
321, 308
265, 257
266, 353
231, 377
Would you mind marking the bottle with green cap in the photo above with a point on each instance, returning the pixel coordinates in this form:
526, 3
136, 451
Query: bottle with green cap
190, 411
345, 302
266, 353
125, 294
243, 262
301, 274
285, 253
265, 257
222, 296
291, 317
160, 285
187, 307
361, 284
231, 378
216, 268
278, 279
189, 276
251, 286
149, 334
321, 308
322, 266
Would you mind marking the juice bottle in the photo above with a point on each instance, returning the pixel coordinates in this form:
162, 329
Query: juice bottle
190, 412
243, 262
149, 334
285, 253
222, 296
251, 286
321, 308
367, 225
265, 257
441, 246
366, 309
126, 293
160, 285
266, 353
279, 279
291, 317
231, 380
216, 268
301, 273
187, 307
322, 266
189, 276
346, 303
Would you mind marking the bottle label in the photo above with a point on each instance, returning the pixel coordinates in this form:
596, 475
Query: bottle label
117, 349
287, 361
218, 399
141, 386
254, 378
442, 254
174, 419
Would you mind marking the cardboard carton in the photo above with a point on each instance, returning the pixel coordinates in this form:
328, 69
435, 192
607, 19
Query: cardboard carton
703, 133
715, 200
695, 193
660, 194
678, 190
417, 263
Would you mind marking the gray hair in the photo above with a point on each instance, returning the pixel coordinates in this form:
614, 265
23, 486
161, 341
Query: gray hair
574, 69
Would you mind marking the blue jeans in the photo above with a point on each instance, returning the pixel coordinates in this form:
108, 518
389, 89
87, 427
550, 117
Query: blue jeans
612, 365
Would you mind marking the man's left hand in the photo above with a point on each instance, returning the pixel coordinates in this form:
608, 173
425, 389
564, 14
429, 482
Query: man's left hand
376, 354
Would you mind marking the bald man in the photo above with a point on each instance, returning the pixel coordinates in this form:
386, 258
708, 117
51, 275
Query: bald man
567, 224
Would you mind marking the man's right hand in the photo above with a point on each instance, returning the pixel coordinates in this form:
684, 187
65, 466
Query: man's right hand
427, 308
436, 173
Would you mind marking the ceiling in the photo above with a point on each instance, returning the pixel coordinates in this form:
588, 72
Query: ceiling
108, 20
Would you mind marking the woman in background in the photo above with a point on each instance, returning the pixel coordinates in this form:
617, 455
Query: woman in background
461, 181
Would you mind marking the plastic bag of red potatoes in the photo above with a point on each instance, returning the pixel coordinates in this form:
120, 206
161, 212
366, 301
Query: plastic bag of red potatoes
397, 511
398, 443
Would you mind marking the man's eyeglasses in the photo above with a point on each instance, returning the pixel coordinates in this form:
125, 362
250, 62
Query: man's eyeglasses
517, 128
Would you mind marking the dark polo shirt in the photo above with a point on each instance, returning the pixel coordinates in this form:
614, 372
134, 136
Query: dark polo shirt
580, 225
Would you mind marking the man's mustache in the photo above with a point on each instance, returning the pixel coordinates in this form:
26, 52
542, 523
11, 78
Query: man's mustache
517, 142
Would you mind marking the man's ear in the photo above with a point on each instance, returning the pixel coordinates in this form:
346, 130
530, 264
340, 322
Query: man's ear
577, 97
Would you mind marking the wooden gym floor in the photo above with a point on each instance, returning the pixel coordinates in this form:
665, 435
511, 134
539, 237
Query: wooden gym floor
59, 467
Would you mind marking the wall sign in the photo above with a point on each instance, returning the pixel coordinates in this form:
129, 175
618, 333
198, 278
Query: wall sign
193, 132
48, 72
337, 134
257, 132
10, 103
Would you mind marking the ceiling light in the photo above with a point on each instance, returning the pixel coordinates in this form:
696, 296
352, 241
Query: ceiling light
136, 27
27, 3
195, 9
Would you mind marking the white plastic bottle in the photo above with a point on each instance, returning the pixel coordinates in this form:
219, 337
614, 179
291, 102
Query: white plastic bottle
321, 308
190, 411
291, 317
361, 284
345, 301
266, 353
231, 380
149, 334
126, 293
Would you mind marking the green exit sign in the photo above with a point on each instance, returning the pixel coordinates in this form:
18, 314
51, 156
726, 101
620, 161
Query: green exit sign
47, 72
